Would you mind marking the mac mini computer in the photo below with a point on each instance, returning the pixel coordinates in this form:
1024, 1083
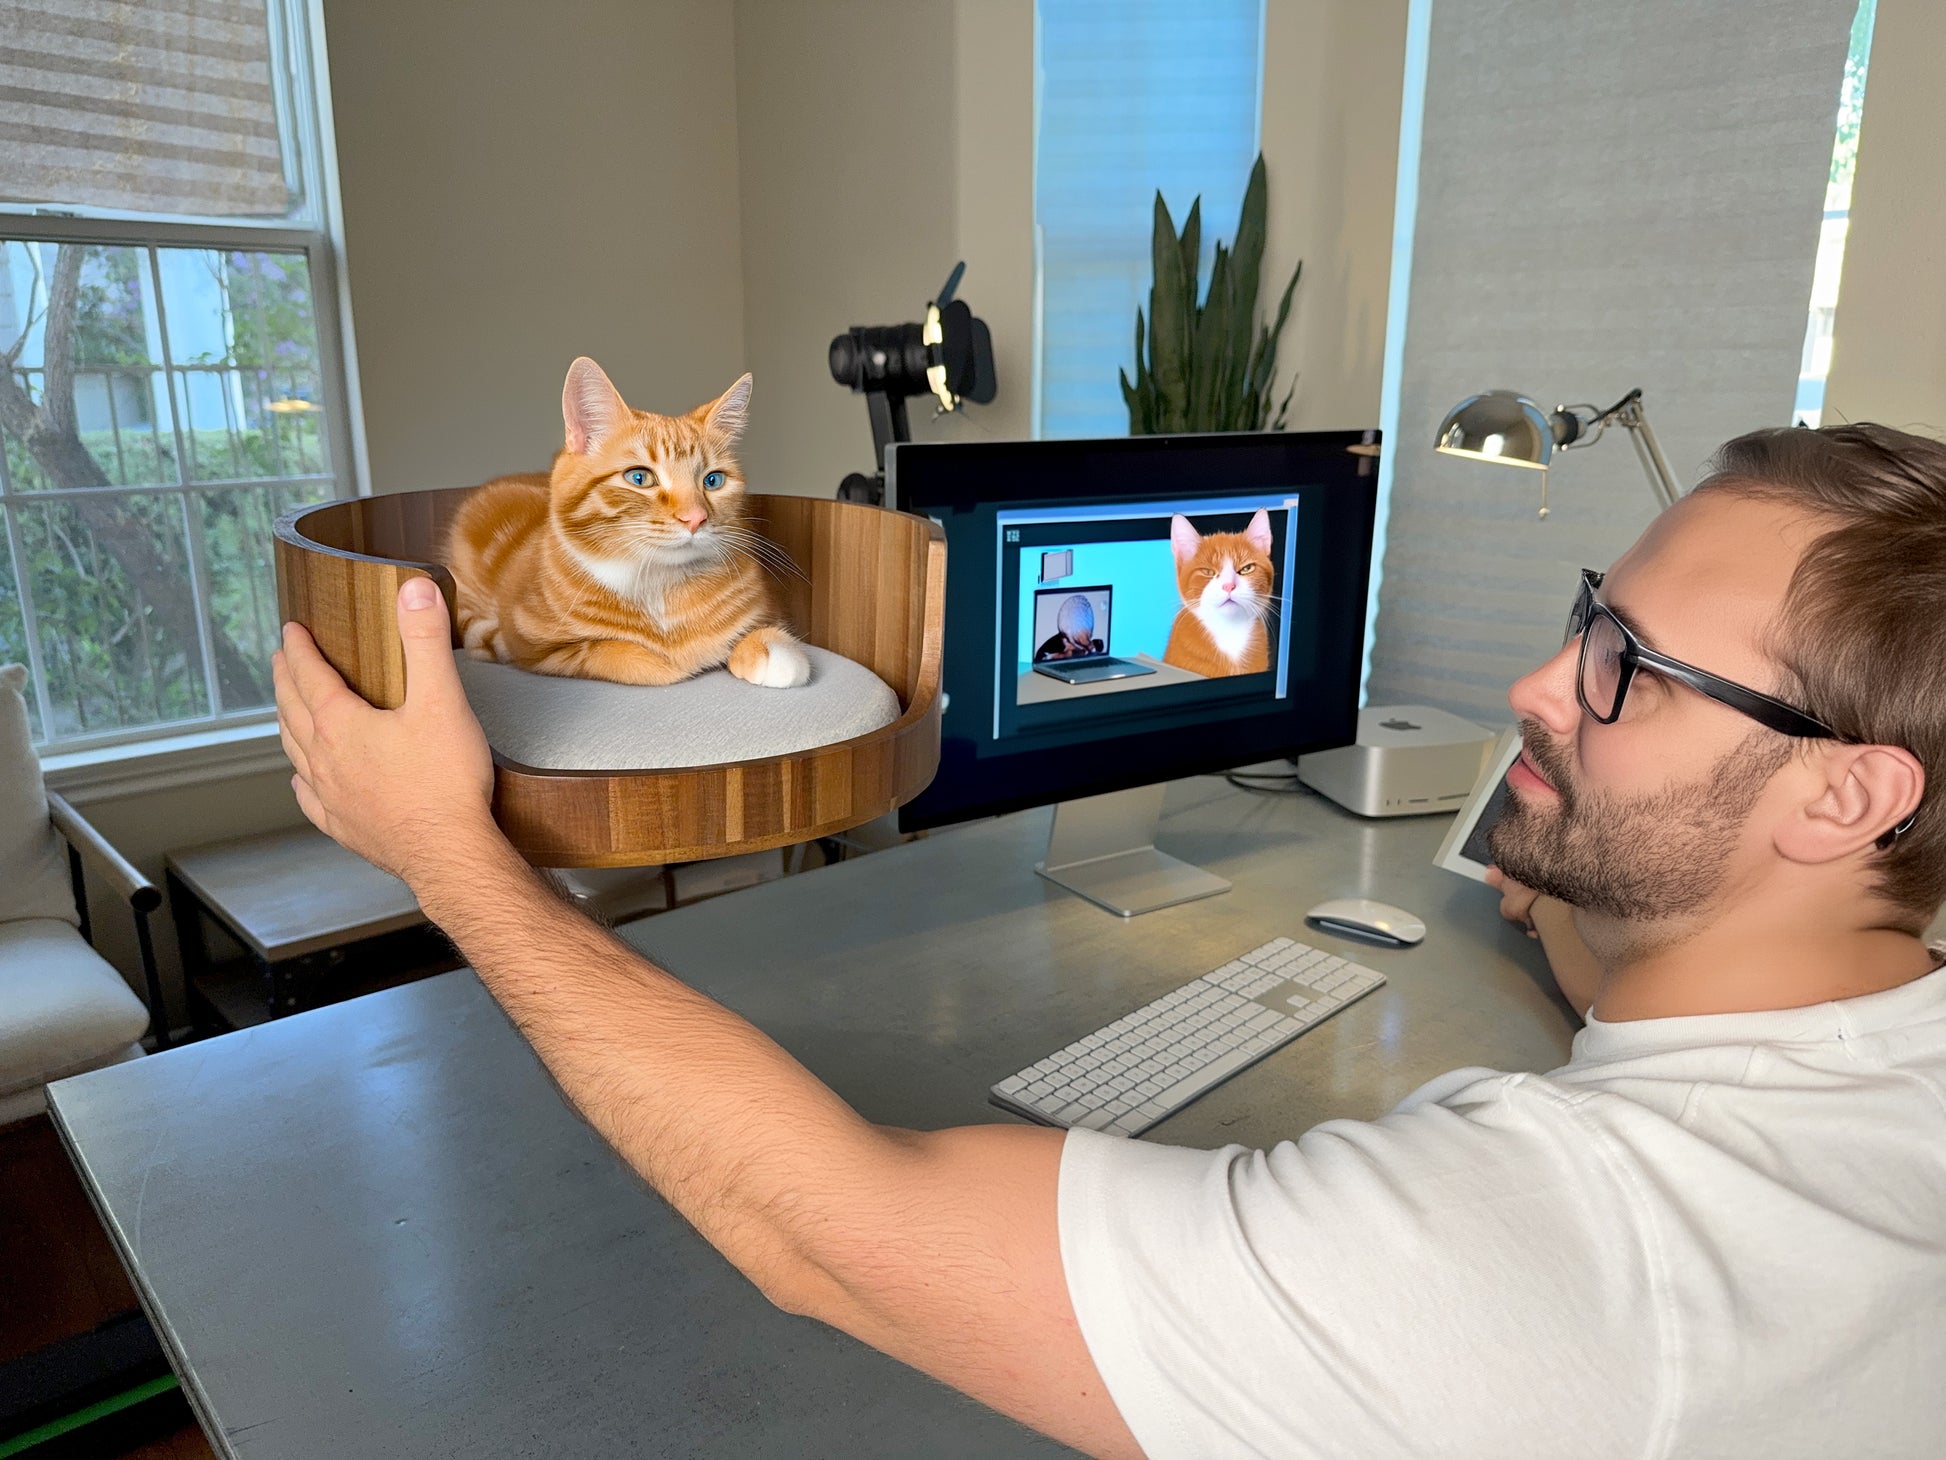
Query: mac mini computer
1409, 760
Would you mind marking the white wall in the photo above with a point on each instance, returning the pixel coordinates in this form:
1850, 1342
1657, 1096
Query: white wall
880, 141
1333, 76
1888, 348
524, 183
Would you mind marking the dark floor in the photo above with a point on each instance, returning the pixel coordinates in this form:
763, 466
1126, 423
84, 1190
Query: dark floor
57, 1266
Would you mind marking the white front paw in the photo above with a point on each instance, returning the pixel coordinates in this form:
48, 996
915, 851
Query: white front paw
785, 666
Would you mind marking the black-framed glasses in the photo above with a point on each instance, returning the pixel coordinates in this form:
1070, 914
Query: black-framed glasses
1611, 654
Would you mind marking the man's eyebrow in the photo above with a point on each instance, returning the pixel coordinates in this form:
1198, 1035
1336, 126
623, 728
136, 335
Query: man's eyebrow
1633, 625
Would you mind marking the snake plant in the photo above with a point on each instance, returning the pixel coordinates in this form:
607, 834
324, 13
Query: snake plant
1208, 366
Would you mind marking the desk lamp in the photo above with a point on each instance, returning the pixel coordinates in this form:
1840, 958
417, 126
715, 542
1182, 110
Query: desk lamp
1504, 426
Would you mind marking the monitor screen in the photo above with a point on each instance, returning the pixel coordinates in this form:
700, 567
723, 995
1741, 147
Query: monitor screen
1126, 611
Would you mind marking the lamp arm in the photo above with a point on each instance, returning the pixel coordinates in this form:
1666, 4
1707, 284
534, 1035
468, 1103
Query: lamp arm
1581, 426
1662, 481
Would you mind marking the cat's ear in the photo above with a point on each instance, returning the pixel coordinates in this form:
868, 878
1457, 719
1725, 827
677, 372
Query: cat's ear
725, 416
591, 408
1183, 537
1258, 532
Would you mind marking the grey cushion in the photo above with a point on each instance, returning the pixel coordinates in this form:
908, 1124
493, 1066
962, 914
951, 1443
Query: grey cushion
558, 724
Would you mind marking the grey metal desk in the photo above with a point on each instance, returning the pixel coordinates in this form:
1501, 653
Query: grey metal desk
375, 1230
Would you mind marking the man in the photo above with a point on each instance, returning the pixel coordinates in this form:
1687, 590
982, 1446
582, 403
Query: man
1719, 1230
1074, 635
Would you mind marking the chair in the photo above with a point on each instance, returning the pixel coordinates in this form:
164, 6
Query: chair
63, 1007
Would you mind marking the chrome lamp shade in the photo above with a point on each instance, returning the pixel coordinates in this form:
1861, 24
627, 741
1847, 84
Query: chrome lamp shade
1498, 425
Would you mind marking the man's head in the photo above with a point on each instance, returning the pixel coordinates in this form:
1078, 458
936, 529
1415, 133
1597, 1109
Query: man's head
1811, 567
1077, 621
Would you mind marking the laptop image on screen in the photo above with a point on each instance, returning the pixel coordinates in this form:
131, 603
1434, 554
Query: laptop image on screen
1071, 636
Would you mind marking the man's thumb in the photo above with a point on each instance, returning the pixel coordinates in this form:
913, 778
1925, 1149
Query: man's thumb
427, 635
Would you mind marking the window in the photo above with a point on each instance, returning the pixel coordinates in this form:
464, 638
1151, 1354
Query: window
171, 380
1131, 96
1809, 407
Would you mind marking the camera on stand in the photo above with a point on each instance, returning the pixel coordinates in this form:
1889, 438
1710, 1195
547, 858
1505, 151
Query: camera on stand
949, 357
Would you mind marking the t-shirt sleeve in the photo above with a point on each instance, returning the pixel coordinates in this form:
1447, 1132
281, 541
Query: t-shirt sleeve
1444, 1281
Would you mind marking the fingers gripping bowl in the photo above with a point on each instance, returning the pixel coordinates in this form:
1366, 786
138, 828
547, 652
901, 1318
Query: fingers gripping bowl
613, 788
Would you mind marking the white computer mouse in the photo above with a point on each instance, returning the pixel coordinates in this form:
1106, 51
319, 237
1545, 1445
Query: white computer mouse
1360, 917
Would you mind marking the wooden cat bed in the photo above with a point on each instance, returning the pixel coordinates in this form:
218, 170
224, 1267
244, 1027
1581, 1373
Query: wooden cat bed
871, 589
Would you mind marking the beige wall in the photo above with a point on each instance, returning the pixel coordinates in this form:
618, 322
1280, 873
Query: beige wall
1888, 349
524, 183
879, 142
1334, 72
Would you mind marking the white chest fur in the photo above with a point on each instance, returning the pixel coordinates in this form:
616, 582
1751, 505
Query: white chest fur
1229, 625
646, 585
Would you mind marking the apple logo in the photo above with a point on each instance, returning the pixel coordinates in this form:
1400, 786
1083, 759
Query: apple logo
1397, 724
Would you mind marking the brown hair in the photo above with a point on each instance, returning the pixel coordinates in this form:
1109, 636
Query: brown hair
1863, 634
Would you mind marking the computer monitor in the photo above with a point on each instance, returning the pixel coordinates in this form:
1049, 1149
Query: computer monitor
1123, 612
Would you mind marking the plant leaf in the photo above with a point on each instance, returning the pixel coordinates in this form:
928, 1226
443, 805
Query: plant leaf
1168, 324
1192, 249
1212, 339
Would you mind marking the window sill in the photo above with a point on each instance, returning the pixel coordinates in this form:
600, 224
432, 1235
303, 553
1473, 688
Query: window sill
165, 763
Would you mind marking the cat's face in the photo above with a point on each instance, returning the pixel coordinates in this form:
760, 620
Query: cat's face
1224, 575
632, 488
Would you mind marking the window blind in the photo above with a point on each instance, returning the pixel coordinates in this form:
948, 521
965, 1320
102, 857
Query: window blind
156, 106
1608, 196
1131, 96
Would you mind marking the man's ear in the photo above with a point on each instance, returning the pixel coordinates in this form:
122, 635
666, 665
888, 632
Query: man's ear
1867, 790
591, 407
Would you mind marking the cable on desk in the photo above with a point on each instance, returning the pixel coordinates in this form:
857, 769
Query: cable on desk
1268, 783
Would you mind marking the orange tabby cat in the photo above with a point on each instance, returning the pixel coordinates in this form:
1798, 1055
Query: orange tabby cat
632, 559
1227, 583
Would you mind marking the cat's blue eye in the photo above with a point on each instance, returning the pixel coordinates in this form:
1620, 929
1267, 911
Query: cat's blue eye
713, 480
637, 477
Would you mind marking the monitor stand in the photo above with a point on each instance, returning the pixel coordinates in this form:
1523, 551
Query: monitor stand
1103, 847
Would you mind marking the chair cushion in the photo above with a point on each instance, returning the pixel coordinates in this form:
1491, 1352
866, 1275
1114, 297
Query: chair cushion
551, 723
33, 871
63, 1009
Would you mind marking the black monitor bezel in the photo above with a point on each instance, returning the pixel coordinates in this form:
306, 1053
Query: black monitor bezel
1341, 467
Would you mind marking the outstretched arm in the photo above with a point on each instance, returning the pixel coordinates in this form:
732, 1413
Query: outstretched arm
940, 1248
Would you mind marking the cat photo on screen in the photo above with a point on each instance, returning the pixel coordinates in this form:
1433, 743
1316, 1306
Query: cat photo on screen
633, 560
1227, 584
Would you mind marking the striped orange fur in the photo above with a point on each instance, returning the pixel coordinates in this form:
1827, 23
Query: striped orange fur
1227, 583
633, 559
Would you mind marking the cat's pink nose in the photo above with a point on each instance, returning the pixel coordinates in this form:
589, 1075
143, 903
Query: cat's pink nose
1228, 583
693, 519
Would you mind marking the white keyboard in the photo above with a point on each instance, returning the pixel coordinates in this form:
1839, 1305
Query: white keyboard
1149, 1064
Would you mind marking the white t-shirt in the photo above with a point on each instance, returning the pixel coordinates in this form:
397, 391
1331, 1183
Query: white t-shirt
1709, 1236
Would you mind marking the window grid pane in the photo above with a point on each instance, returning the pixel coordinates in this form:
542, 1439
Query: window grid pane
139, 599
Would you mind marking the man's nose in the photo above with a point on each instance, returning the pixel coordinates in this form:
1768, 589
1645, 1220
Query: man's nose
1547, 693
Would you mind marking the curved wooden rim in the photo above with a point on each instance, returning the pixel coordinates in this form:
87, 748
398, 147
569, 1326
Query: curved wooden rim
886, 767
289, 528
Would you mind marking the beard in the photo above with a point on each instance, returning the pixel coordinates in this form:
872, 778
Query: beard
1647, 857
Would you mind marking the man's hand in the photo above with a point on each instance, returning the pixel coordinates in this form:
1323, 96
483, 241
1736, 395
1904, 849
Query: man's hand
406, 789
1575, 970
1516, 900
